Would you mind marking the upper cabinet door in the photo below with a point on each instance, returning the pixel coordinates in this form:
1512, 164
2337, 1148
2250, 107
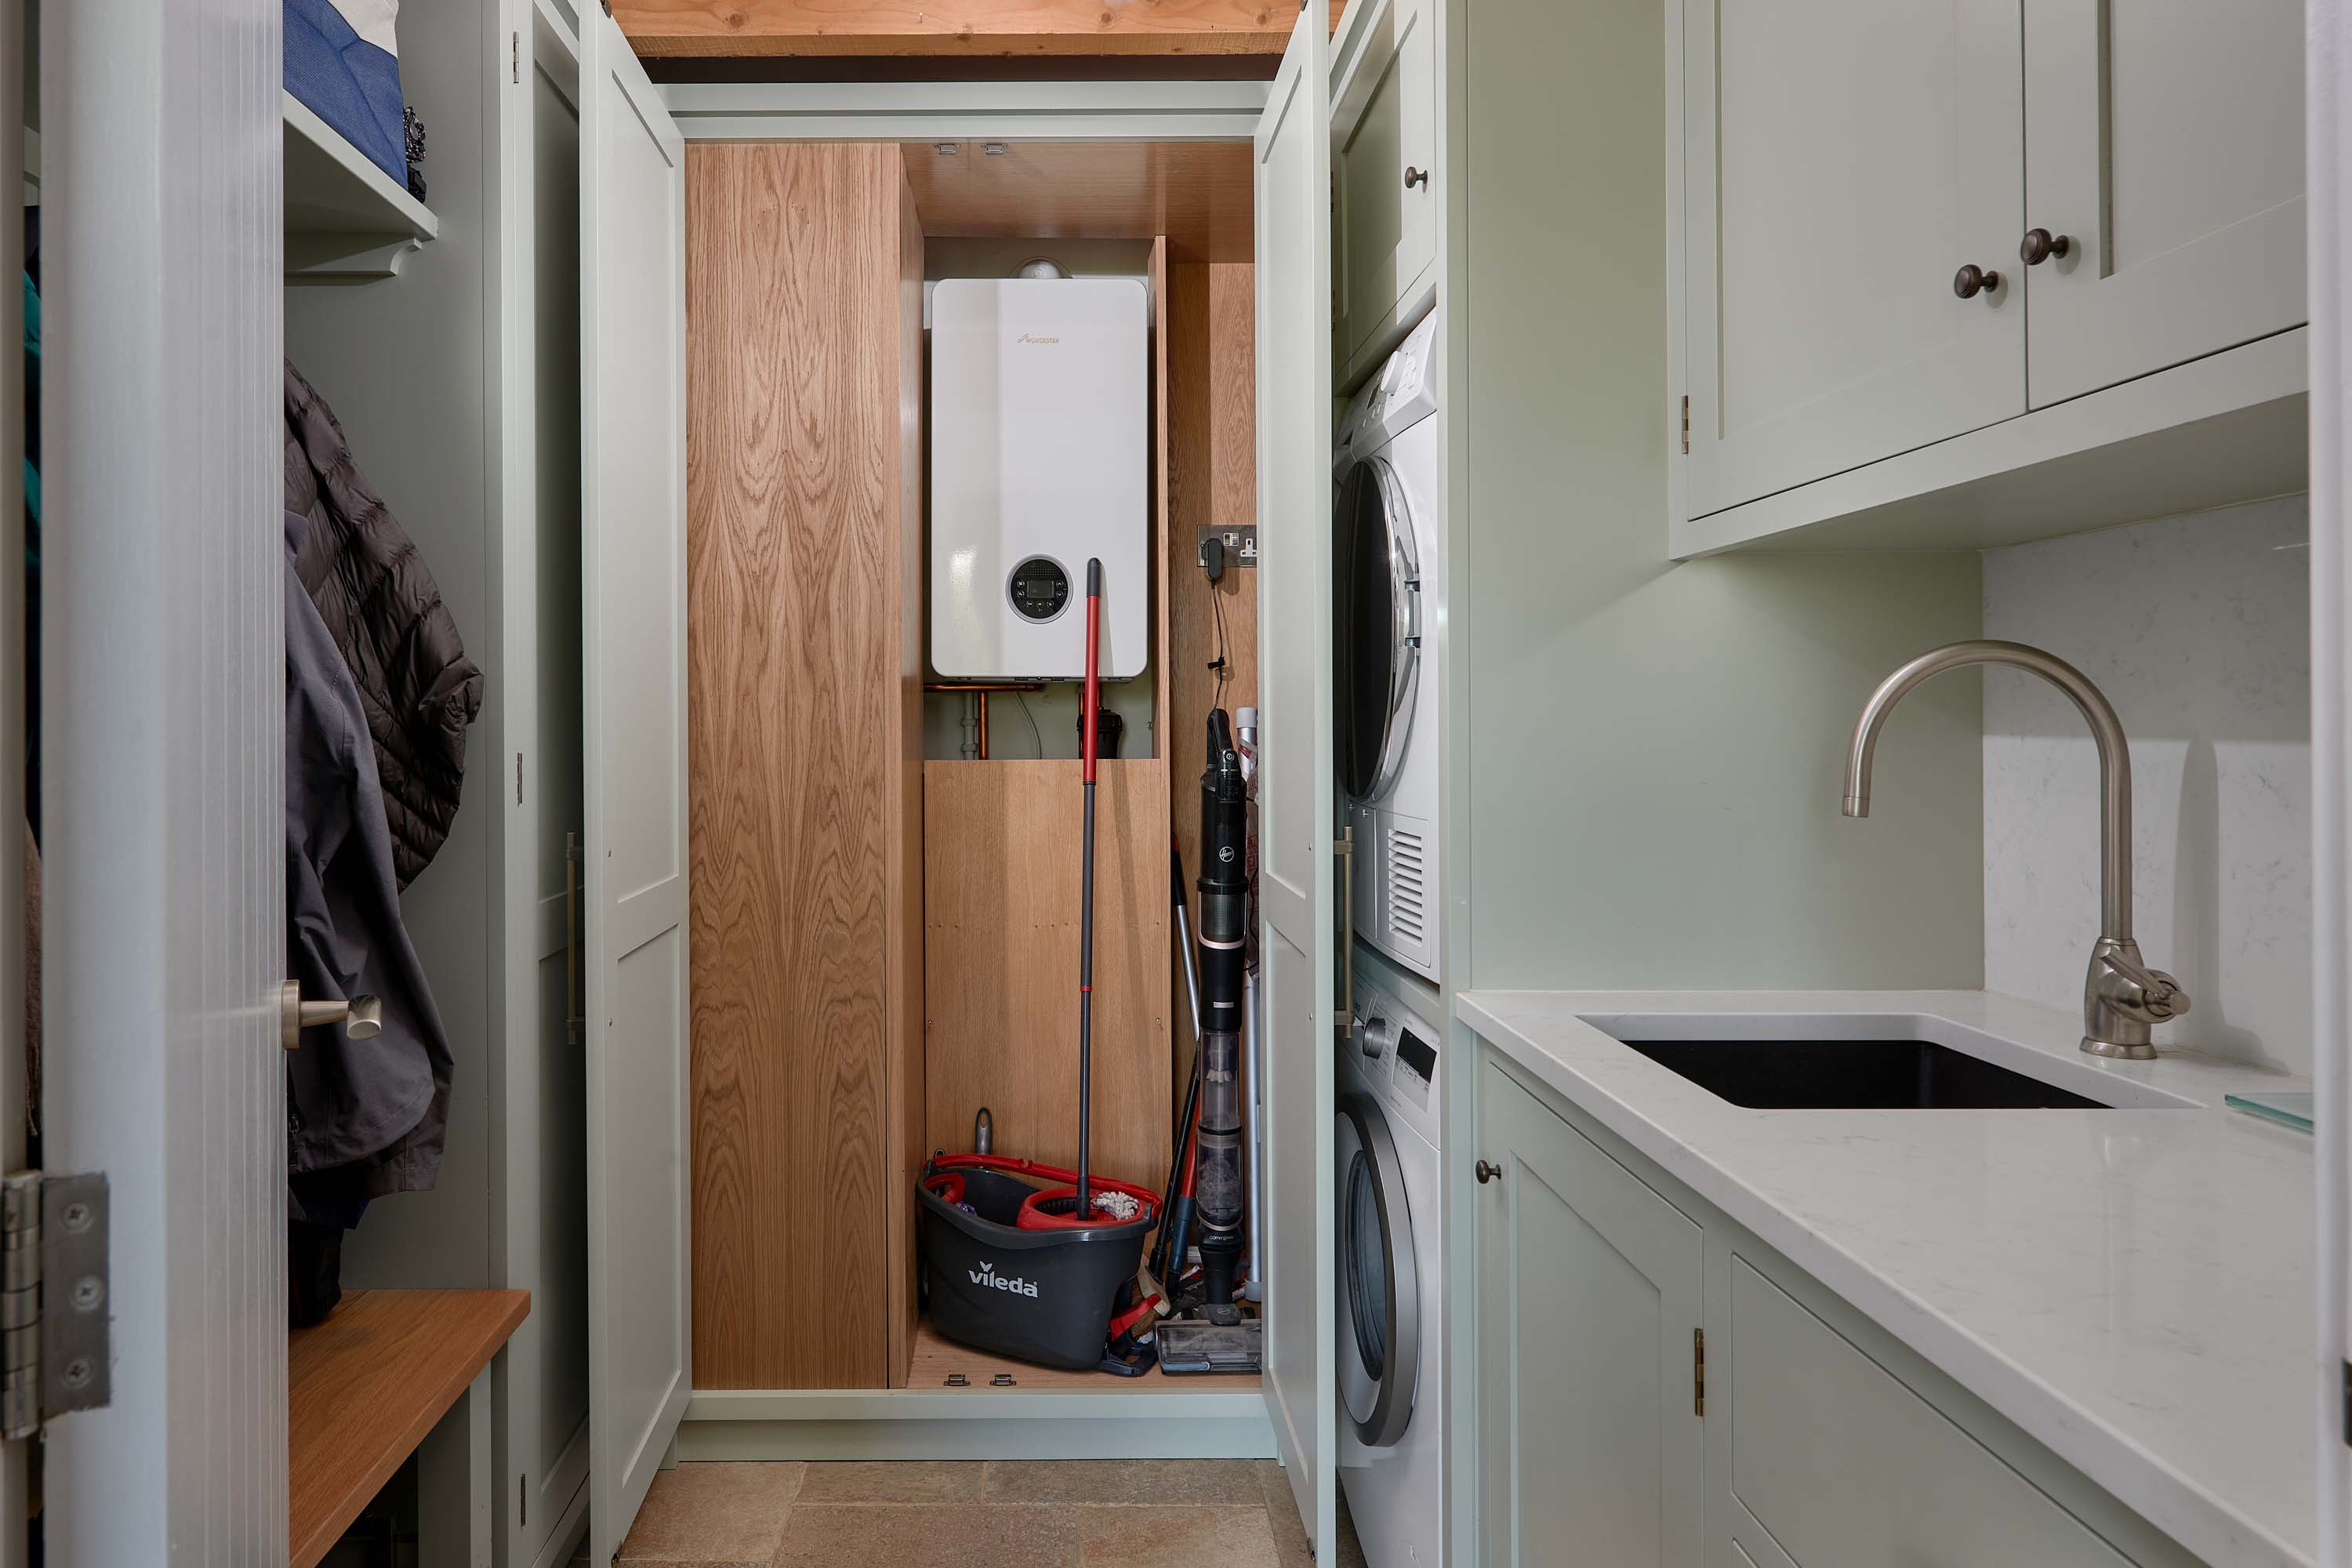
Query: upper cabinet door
1297, 781
2165, 145
1844, 158
1384, 140
633, 627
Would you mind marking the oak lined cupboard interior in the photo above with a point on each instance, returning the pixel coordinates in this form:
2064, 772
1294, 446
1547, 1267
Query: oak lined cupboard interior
884, 941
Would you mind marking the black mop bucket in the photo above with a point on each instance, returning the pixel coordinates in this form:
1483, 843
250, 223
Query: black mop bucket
1044, 1295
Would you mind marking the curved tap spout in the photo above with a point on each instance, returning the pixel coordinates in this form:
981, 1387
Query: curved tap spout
2121, 997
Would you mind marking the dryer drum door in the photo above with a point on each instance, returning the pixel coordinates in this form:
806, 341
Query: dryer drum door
1377, 584
1379, 1283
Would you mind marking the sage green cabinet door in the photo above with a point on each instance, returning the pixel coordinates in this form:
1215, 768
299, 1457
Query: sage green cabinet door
1385, 132
1590, 1442
2165, 144
1843, 159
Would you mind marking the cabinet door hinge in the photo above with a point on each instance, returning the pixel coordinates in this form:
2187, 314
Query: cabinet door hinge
518, 778
54, 1314
1686, 424
514, 56
2347, 1403
1698, 1373
523, 1499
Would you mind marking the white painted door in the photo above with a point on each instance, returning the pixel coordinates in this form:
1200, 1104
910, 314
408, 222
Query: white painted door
632, 614
1589, 1446
1295, 793
163, 817
1843, 160
2164, 144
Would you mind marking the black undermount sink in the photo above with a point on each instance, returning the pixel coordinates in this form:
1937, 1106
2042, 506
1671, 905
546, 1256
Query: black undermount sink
1855, 1075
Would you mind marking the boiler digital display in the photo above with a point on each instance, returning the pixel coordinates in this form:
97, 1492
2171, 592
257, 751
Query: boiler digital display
1039, 588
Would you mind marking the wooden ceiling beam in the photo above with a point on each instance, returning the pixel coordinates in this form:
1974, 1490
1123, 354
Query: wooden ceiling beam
970, 28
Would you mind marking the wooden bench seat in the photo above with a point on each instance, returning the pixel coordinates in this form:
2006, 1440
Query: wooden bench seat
366, 1387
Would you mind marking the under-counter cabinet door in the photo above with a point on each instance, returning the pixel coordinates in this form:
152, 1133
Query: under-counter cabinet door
1384, 139
2164, 145
633, 591
1588, 1311
1293, 170
1830, 1460
1843, 160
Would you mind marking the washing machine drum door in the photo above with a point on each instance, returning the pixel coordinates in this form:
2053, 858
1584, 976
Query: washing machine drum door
1377, 587
1379, 1278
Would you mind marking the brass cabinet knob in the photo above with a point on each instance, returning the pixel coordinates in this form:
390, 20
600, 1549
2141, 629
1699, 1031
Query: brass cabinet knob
1414, 176
1487, 1171
1972, 280
2040, 244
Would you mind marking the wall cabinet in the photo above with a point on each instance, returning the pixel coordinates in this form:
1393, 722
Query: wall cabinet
1384, 185
1901, 225
1844, 158
2166, 145
1588, 1322
1819, 1439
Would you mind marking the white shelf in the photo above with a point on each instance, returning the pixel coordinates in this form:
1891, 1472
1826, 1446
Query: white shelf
2226, 428
346, 220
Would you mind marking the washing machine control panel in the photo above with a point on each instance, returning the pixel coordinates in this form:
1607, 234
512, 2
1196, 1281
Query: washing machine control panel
1415, 1066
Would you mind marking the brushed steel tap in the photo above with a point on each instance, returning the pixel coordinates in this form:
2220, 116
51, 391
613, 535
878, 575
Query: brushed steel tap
2122, 996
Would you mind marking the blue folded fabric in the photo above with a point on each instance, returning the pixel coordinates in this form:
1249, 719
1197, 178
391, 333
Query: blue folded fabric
348, 81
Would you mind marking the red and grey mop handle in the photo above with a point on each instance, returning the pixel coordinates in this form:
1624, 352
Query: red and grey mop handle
1089, 718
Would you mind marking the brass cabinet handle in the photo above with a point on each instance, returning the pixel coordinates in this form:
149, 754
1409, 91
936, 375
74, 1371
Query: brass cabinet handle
1414, 176
575, 1015
1487, 1171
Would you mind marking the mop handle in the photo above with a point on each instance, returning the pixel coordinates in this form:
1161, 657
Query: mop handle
1089, 710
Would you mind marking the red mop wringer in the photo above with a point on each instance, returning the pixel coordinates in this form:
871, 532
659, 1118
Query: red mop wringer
1029, 1260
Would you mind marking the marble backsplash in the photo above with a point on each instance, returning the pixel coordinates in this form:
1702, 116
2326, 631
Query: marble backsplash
2198, 629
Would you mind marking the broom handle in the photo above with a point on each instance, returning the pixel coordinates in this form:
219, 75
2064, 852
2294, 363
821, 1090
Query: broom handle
1089, 709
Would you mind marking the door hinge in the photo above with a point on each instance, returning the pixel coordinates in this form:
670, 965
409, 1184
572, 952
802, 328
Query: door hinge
518, 778
53, 1313
514, 57
1698, 1373
1685, 423
522, 1498
2347, 1403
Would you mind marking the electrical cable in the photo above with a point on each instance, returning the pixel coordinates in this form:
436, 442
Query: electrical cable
1034, 734
1222, 668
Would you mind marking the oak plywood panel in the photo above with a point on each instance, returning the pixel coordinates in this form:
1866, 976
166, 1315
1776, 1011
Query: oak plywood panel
1001, 938
903, 1056
800, 535
1197, 194
965, 27
1212, 479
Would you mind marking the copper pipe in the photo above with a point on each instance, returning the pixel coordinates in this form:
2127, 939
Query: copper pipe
980, 690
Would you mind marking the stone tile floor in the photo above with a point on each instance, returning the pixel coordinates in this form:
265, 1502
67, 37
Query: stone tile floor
1142, 1514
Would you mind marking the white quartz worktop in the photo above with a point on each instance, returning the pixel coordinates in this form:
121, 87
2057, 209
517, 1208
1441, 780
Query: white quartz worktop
2133, 1288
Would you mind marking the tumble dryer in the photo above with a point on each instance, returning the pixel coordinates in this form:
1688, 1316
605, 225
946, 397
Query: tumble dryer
1391, 1283
1389, 604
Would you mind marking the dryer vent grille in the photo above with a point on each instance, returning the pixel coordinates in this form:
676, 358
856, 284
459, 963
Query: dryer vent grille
1408, 889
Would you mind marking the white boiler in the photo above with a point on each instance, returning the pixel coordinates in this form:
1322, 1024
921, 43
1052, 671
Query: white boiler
1040, 426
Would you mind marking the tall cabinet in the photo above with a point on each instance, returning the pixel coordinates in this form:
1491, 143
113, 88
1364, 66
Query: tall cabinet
449, 349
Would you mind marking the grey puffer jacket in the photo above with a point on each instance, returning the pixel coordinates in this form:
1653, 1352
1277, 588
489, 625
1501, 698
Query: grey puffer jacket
384, 610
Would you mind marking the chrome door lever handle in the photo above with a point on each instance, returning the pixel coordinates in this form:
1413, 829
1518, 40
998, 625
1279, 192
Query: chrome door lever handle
362, 1016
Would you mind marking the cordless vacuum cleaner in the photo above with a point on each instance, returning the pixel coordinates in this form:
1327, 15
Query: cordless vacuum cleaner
1221, 1198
